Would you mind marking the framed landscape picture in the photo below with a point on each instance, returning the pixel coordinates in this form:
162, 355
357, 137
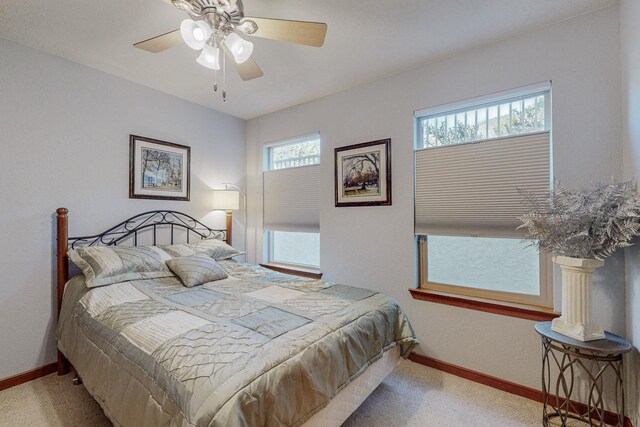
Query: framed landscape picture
363, 174
158, 169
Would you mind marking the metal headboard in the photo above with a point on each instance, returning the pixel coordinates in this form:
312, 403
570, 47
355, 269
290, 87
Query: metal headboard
126, 231
152, 221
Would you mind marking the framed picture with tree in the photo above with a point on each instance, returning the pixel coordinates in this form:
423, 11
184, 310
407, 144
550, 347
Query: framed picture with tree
158, 169
363, 174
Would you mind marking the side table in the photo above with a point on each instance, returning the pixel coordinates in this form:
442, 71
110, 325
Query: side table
592, 359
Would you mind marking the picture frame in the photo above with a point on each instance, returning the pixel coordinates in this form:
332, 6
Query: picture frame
363, 174
158, 169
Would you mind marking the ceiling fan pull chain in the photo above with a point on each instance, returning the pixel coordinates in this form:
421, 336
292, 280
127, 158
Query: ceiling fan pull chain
215, 80
224, 78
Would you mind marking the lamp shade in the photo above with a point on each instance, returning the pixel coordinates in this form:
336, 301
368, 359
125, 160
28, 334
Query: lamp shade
210, 57
195, 33
226, 200
239, 48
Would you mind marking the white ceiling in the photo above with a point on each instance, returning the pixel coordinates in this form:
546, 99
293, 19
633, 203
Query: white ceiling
366, 40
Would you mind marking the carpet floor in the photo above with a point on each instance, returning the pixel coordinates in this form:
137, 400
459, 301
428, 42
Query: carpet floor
413, 395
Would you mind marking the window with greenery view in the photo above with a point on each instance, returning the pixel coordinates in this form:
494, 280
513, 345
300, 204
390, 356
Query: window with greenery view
469, 160
515, 116
304, 152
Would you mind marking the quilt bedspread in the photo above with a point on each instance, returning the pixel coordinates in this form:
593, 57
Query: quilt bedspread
259, 348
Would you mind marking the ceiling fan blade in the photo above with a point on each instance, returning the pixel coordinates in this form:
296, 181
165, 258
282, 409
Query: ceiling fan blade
299, 32
161, 42
248, 70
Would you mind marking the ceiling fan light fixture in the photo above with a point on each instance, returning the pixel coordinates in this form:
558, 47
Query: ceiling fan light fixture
210, 57
248, 26
195, 33
240, 49
183, 5
215, 25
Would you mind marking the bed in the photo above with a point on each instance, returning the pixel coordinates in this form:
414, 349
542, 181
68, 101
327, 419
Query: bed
160, 344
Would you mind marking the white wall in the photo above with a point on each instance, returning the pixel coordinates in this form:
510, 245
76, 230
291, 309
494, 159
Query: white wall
373, 246
64, 138
630, 43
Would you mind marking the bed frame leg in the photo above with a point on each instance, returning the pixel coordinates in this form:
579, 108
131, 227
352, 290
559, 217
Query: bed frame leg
76, 378
63, 364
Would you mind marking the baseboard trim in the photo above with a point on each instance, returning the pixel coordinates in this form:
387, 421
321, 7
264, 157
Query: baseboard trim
25, 377
468, 374
500, 384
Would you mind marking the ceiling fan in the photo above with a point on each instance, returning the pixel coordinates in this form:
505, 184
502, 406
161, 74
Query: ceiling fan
214, 25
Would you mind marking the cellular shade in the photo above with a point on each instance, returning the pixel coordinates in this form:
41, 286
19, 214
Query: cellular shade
292, 199
472, 189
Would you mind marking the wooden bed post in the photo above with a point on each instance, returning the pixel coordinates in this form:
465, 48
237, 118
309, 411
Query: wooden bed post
229, 222
63, 271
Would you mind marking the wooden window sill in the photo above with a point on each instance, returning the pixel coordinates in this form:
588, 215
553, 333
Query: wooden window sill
295, 270
522, 311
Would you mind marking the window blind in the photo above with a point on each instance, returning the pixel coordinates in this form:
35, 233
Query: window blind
472, 189
292, 199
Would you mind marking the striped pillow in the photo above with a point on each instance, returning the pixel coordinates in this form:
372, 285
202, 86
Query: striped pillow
196, 270
105, 265
214, 248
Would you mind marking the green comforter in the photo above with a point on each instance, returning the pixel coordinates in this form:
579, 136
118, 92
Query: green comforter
256, 349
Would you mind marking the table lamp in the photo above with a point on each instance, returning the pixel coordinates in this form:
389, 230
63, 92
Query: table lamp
226, 200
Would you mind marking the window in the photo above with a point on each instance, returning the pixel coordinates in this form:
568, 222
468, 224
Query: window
503, 269
291, 202
470, 163
302, 152
286, 247
506, 117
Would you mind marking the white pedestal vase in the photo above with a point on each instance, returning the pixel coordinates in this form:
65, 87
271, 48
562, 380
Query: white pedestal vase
577, 279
